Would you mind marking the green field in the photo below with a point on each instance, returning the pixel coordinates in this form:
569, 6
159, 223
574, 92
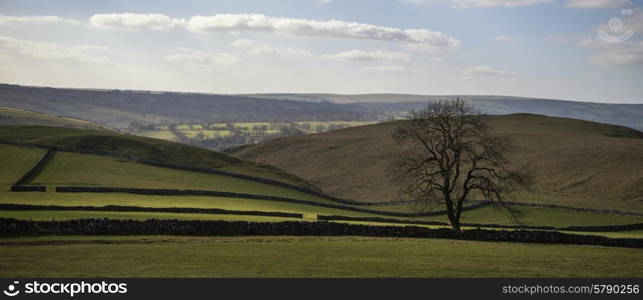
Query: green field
157, 134
209, 133
145, 148
193, 130
531, 215
15, 161
73, 169
104, 199
165, 256
545, 216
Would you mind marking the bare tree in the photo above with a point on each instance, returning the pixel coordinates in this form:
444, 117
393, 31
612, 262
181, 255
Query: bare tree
449, 156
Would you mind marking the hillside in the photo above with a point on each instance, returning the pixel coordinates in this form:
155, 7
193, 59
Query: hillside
573, 162
21, 117
64, 169
630, 115
141, 147
119, 108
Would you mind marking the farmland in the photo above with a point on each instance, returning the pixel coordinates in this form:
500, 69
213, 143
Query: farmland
154, 256
238, 256
220, 136
143, 148
15, 161
532, 216
73, 169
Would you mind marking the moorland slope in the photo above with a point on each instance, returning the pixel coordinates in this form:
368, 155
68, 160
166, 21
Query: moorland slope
571, 162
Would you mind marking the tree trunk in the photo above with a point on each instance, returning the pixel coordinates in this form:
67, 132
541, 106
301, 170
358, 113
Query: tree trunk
455, 222
454, 219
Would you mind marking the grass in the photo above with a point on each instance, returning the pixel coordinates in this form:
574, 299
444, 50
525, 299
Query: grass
15, 161
16, 116
572, 162
104, 199
145, 148
166, 256
73, 169
532, 216
544, 216
157, 134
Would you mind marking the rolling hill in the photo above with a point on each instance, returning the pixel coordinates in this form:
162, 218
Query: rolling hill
21, 117
118, 109
572, 162
630, 115
143, 148
65, 169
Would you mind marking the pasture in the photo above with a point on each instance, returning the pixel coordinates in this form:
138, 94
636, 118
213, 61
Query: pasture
15, 161
531, 216
73, 169
266, 256
167, 256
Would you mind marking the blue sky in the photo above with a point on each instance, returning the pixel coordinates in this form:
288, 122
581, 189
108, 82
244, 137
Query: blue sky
585, 50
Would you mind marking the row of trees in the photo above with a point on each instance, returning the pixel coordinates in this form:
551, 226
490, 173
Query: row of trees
258, 129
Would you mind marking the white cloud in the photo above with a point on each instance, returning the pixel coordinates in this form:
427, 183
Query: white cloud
484, 71
312, 28
127, 21
483, 3
53, 51
196, 60
387, 69
35, 20
258, 48
235, 23
506, 38
375, 56
324, 1
622, 54
593, 4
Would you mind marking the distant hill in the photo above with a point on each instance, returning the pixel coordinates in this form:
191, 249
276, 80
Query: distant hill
573, 162
118, 109
15, 116
144, 148
630, 115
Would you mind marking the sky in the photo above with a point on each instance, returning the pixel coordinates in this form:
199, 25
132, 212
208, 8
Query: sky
582, 50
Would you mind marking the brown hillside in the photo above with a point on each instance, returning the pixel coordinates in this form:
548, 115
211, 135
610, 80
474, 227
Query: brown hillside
572, 162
